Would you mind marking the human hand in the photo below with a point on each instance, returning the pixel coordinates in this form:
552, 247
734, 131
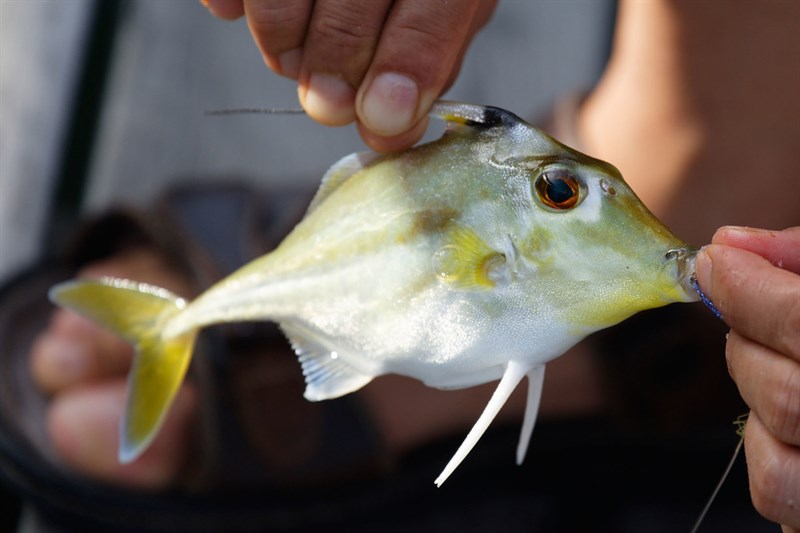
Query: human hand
753, 278
382, 63
83, 368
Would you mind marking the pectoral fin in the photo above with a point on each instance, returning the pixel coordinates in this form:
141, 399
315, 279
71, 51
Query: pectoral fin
511, 378
467, 262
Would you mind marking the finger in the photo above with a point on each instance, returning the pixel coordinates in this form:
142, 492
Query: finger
418, 49
73, 350
758, 300
338, 49
408, 138
781, 248
774, 472
396, 142
769, 383
482, 16
224, 9
279, 29
84, 426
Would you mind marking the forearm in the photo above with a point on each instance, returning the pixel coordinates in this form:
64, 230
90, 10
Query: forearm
698, 98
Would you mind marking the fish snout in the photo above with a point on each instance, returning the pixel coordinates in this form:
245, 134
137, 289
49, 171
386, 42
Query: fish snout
681, 262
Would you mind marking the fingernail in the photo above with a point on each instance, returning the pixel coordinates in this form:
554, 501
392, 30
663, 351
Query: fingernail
703, 267
290, 63
329, 99
745, 230
390, 104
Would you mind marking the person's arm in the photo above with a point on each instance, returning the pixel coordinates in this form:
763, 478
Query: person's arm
382, 63
753, 277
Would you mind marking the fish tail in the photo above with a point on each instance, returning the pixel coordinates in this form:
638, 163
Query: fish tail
137, 312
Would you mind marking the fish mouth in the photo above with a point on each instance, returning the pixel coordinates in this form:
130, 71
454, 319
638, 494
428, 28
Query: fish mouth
684, 260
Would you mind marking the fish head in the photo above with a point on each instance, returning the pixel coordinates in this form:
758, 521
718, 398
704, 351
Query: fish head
592, 247
603, 242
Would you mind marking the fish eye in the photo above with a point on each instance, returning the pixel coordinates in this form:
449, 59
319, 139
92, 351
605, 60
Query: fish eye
558, 189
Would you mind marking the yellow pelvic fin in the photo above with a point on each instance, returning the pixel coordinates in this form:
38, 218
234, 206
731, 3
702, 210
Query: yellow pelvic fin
466, 261
137, 312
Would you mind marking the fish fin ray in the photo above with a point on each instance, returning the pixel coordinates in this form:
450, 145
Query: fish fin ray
339, 173
513, 374
326, 372
154, 379
467, 262
136, 312
473, 115
128, 308
535, 383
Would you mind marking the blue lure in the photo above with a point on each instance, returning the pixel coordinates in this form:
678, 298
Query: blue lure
705, 299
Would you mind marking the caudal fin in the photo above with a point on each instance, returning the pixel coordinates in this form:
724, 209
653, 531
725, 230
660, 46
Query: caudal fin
137, 312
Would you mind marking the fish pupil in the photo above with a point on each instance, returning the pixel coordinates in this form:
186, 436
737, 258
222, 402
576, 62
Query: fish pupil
559, 191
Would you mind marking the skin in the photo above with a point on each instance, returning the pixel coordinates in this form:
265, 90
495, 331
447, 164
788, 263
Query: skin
753, 277
674, 93
380, 63
662, 93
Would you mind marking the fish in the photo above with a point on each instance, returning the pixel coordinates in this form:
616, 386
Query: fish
479, 256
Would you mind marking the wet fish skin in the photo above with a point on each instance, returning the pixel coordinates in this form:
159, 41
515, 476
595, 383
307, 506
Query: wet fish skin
481, 255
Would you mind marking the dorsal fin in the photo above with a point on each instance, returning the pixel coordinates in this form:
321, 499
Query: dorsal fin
327, 373
474, 115
338, 174
456, 113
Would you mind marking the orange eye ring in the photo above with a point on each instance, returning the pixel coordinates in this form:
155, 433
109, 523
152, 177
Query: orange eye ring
558, 189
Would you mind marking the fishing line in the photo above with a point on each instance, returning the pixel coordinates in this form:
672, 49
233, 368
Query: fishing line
740, 424
256, 111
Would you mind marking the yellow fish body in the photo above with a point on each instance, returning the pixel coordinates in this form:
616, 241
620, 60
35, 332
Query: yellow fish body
476, 257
